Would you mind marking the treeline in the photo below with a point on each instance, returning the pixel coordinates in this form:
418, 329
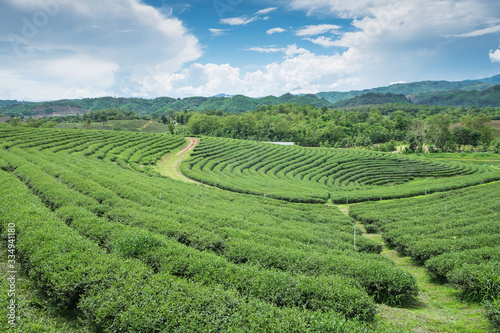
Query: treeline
378, 127
361, 127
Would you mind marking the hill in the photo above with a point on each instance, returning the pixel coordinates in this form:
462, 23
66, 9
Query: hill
237, 103
485, 98
439, 93
373, 99
416, 88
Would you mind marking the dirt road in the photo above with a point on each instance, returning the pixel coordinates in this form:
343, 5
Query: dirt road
169, 164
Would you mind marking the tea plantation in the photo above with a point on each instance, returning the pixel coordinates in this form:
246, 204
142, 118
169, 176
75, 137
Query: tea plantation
315, 175
131, 251
103, 236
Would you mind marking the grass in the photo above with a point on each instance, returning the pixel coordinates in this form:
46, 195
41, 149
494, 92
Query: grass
438, 307
168, 166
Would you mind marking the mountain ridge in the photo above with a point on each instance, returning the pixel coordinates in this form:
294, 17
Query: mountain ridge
443, 93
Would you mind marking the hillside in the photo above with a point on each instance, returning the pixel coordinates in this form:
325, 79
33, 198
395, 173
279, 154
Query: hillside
485, 98
416, 88
238, 103
373, 99
481, 93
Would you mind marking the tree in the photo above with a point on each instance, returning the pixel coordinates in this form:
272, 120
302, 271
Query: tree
416, 135
171, 128
16, 121
102, 118
164, 120
478, 121
34, 122
375, 117
438, 131
466, 136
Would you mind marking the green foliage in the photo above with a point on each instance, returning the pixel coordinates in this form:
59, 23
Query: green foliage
492, 310
372, 99
484, 98
456, 234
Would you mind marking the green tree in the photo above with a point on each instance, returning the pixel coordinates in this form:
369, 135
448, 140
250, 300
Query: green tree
34, 122
171, 128
438, 130
416, 135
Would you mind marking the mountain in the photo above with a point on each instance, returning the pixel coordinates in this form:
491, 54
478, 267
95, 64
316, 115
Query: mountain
8, 103
483, 92
373, 99
413, 88
488, 97
237, 103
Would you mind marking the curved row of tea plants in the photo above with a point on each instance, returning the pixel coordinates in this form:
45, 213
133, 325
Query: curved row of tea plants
136, 151
315, 175
455, 234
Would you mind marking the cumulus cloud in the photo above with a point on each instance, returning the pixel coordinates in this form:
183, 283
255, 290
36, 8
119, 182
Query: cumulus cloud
89, 46
319, 29
275, 31
495, 56
300, 72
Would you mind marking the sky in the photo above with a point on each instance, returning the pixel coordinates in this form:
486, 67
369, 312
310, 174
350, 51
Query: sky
68, 49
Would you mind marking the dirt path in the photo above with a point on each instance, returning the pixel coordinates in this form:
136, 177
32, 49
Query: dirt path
438, 307
168, 166
192, 142
149, 123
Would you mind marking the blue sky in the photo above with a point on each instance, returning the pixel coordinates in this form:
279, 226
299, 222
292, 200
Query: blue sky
55, 49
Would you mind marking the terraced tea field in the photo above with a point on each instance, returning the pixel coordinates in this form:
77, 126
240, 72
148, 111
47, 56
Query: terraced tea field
455, 234
103, 237
136, 252
317, 175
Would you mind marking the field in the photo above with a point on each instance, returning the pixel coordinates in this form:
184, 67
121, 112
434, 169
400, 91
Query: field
132, 251
102, 242
456, 235
138, 125
319, 175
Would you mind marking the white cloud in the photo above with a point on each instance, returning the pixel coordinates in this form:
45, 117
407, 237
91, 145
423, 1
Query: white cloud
266, 11
480, 32
275, 31
323, 41
265, 49
300, 72
244, 20
319, 29
218, 32
290, 51
495, 56
72, 47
